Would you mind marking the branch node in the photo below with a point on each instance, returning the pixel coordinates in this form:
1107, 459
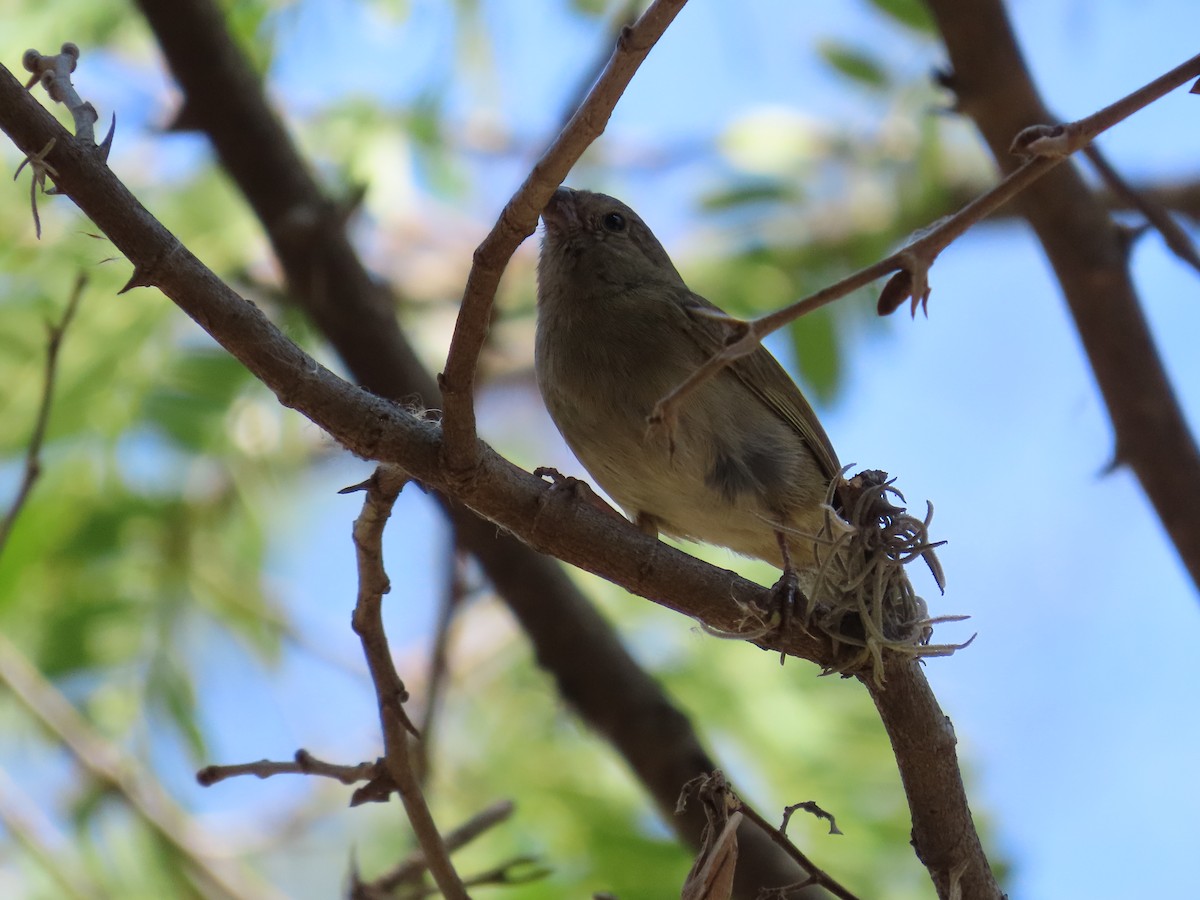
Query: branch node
54, 74
1053, 141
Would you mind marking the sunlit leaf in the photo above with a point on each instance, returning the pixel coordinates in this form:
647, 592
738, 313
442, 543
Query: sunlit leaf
912, 13
856, 64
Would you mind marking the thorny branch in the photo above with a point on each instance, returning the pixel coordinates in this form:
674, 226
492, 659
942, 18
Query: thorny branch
1090, 259
382, 489
224, 98
377, 429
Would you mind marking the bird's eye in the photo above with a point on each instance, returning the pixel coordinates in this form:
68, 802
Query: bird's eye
613, 221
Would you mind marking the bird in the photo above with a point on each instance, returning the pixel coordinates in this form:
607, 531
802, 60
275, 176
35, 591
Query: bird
745, 464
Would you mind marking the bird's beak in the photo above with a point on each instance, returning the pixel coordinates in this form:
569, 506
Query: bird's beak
561, 213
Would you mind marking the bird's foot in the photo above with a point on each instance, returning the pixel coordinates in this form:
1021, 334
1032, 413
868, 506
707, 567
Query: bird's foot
576, 488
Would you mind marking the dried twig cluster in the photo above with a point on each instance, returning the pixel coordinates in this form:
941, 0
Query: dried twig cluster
859, 592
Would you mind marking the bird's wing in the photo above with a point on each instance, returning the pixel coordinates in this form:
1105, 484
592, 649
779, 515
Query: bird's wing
768, 380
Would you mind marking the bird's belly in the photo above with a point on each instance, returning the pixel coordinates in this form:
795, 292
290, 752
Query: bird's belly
645, 478
737, 485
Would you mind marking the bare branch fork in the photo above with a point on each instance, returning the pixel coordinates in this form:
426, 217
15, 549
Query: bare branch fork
718, 855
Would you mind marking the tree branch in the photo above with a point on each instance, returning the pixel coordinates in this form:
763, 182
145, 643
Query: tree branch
414, 864
303, 763
382, 489
1043, 146
1090, 258
1155, 214
55, 332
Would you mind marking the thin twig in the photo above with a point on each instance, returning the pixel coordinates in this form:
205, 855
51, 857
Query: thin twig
517, 870
304, 763
439, 659
55, 331
414, 865
518, 220
1156, 214
1049, 146
1062, 140
816, 875
382, 489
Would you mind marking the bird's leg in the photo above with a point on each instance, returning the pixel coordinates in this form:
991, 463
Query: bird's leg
787, 588
647, 524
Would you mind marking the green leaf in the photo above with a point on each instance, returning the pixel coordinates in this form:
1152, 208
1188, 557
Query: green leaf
751, 191
855, 64
910, 13
818, 356
172, 687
